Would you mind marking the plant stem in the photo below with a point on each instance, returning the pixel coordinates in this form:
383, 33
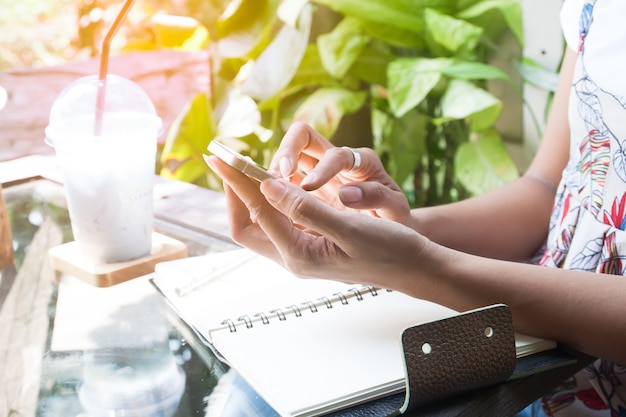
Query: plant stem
448, 166
432, 139
419, 199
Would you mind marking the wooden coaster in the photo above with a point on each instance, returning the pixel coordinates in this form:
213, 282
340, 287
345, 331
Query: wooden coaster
68, 259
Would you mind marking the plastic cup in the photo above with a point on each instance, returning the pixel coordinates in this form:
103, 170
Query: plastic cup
108, 177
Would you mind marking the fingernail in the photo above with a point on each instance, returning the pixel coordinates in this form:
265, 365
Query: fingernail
310, 178
272, 189
285, 167
208, 161
350, 194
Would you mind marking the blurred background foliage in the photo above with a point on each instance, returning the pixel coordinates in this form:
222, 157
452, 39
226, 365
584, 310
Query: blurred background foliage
406, 77
38, 33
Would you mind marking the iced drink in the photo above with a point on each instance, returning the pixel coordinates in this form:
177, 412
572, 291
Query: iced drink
108, 177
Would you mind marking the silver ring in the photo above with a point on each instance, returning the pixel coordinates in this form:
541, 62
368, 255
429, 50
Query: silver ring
357, 158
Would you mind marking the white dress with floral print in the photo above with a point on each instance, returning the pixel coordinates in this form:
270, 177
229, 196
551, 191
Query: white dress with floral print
587, 225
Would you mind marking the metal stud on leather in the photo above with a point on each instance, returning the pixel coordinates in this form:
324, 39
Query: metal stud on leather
457, 354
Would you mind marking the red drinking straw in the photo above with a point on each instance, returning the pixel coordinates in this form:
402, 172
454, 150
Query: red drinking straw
104, 65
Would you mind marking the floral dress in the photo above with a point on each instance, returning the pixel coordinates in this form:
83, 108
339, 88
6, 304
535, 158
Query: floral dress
589, 216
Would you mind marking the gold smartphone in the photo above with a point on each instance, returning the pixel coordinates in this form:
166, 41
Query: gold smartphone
236, 160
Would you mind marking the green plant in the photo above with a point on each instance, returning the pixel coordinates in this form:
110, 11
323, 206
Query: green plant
416, 68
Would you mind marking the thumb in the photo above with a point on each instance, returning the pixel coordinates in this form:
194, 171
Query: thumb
302, 207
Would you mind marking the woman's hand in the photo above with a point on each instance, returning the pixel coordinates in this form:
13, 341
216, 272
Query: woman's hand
332, 174
311, 238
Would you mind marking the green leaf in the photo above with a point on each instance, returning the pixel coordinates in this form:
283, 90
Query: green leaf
468, 70
187, 140
535, 74
454, 35
484, 164
463, 99
243, 25
311, 71
324, 109
400, 142
290, 11
342, 46
411, 80
511, 11
241, 118
371, 66
402, 14
392, 35
279, 61
310, 74
179, 32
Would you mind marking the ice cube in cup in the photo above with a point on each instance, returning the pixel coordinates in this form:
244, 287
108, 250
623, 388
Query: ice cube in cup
108, 177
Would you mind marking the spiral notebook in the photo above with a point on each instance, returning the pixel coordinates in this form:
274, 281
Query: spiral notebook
306, 346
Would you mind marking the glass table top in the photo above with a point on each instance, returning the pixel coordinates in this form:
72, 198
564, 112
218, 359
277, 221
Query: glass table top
139, 362
100, 347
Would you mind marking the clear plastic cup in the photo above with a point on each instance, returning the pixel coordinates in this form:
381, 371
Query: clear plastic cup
108, 177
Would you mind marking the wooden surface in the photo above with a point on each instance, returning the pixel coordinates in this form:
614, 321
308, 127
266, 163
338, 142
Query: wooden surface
191, 207
24, 325
67, 258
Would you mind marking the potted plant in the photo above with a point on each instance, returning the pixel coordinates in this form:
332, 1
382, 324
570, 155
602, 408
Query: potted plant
416, 71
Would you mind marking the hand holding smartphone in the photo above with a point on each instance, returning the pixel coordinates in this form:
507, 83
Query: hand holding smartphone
236, 160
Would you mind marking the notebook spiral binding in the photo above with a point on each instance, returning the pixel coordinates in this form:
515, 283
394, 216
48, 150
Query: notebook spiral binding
297, 310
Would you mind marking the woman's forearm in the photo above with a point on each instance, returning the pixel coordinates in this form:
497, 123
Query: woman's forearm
580, 309
521, 209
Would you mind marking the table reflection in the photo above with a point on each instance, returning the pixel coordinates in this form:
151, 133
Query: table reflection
110, 348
